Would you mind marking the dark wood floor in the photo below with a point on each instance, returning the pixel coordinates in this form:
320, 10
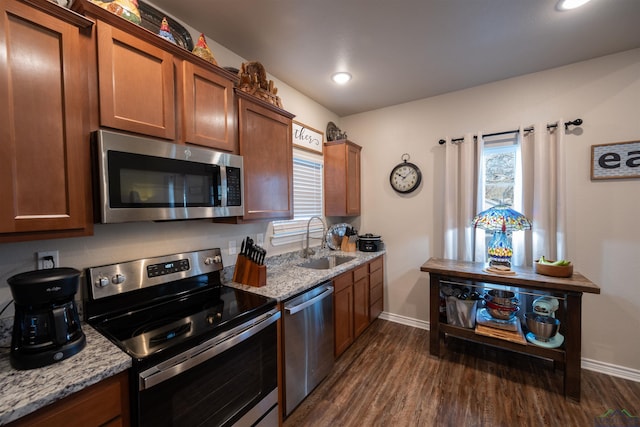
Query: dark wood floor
388, 378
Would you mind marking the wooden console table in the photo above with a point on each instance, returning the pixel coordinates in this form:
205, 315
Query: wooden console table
568, 290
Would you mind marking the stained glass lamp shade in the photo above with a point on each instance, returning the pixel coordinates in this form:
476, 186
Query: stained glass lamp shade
502, 220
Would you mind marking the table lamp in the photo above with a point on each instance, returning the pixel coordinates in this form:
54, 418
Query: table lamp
502, 220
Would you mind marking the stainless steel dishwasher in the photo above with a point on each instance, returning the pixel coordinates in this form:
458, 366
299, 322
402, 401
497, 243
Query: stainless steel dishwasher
308, 341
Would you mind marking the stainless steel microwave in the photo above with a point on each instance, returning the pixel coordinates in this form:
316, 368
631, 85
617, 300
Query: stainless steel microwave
143, 179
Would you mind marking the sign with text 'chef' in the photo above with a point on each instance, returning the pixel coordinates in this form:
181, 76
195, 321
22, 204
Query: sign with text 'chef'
307, 138
617, 160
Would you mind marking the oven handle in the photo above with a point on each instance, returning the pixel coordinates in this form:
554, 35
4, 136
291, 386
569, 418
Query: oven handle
205, 351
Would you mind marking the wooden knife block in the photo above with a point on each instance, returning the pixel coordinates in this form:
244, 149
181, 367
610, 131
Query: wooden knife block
346, 245
249, 273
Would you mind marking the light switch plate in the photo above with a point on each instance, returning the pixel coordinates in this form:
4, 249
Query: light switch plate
232, 247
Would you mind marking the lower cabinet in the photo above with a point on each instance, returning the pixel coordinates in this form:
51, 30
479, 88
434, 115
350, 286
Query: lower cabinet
103, 404
343, 312
360, 299
357, 301
376, 281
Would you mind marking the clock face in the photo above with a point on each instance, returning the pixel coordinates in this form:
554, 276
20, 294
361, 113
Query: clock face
405, 177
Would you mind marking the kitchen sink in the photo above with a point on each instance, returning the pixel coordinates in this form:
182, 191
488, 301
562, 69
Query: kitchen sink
326, 263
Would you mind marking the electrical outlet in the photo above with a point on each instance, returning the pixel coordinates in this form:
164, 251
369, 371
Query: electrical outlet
259, 239
232, 247
47, 259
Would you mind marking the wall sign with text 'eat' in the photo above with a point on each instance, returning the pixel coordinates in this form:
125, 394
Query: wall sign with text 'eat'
617, 160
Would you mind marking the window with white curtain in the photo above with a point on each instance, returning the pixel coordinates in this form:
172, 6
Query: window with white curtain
500, 176
501, 163
307, 199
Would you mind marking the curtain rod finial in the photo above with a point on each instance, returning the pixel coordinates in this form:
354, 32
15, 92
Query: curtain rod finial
442, 142
576, 122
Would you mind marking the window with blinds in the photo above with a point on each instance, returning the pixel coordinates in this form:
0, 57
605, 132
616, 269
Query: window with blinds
307, 199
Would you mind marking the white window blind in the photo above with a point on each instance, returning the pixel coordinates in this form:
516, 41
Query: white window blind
307, 199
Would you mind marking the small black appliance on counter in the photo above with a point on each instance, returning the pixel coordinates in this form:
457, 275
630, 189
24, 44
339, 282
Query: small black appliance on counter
46, 326
370, 243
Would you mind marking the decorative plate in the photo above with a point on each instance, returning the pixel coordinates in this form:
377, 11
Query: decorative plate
152, 21
335, 234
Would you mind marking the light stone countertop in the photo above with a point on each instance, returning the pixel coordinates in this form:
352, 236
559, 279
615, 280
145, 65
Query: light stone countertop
23, 392
285, 278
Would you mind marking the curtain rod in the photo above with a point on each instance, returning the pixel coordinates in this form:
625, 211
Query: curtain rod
576, 122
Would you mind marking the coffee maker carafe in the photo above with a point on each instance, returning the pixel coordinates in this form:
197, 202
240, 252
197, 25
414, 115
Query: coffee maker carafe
46, 326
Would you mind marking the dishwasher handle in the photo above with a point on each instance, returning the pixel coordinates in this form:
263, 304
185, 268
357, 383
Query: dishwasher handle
296, 308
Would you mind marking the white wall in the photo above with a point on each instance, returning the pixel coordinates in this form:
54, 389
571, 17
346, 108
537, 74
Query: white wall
603, 234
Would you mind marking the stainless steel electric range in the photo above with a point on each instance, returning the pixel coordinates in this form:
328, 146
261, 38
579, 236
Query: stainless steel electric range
203, 354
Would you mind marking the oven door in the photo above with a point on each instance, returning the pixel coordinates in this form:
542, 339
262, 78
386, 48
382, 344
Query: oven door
228, 380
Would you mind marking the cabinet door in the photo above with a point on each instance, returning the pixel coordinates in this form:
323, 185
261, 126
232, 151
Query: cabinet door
266, 146
44, 155
136, 84
353, 180
376, 294
208, 109
360, 305
343, 312
341, 178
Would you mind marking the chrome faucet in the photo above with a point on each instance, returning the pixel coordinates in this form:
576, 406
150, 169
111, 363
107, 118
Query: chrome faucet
307, 251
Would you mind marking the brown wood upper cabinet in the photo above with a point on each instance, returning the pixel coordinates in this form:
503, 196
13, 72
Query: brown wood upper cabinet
152, 87
44, 151
208, 108
341, 178
266, 147
136, 84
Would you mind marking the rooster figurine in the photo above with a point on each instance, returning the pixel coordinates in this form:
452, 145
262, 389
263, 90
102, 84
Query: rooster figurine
165, 31
203, 51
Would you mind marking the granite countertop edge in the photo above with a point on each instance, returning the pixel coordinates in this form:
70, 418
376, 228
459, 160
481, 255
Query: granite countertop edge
286, 278
25, 391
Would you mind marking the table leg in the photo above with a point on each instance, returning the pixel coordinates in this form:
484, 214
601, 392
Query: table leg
434, 315
573, 346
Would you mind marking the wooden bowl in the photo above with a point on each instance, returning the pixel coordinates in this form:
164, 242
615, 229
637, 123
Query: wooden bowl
554, 270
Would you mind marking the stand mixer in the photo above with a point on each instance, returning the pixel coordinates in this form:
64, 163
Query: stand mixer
545, 306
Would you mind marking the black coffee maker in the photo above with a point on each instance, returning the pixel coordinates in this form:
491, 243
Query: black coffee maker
46, 326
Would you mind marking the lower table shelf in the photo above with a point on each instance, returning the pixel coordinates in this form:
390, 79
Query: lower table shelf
555, 354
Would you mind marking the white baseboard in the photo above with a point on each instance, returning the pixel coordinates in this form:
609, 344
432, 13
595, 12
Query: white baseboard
610, 369
404, 320
588, 364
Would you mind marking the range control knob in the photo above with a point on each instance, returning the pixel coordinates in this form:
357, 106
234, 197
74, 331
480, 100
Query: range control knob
213, 260
102, 281
212, 317
117, 279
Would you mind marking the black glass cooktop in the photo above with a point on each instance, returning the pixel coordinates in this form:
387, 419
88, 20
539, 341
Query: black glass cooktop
148, 331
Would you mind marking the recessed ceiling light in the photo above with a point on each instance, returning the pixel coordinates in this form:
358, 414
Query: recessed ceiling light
572, 4
341, 77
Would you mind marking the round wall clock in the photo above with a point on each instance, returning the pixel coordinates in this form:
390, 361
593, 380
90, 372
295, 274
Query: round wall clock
405, 177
